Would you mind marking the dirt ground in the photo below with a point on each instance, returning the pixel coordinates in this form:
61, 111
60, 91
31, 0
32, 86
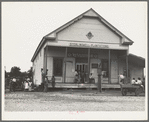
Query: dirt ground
73, 100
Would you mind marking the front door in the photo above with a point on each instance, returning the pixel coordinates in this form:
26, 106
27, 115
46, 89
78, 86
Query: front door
82, 68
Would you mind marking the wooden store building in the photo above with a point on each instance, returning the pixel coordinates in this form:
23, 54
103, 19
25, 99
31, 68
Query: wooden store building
84, 44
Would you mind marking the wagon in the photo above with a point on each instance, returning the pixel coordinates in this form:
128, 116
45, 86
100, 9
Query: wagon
125, 88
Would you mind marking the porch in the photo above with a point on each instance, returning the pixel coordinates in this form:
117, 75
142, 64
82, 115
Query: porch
83, 85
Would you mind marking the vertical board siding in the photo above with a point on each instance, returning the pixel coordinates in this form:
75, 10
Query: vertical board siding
38, 64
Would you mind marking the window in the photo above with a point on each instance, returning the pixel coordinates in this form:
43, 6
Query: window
105, 68
58, 64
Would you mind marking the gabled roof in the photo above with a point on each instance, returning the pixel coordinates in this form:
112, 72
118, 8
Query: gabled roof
88, 13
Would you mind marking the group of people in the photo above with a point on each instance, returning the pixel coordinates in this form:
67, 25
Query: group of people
45, 81
25, 85
138, 82
134, 81
81, 76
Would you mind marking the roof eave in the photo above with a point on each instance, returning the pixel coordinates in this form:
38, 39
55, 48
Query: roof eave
127, 43
39, 46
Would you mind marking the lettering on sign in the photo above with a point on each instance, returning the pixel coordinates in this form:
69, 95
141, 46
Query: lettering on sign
82, 55
88, 45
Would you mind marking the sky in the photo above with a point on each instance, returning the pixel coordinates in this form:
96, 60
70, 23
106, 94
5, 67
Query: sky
25, 23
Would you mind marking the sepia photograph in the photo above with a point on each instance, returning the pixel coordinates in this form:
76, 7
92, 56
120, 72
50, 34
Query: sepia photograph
74, 60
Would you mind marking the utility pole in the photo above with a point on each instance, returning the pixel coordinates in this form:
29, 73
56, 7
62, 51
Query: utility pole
99, 83
99, 88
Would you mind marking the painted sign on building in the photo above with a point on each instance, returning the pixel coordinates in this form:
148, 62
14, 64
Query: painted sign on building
88, 45
81, 55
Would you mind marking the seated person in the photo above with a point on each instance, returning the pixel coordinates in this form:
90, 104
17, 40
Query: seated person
75, 73
91, 79
76, 78
133, 81
139, 82
143, 83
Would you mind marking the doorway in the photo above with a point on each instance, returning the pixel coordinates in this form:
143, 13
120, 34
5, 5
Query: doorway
82, 69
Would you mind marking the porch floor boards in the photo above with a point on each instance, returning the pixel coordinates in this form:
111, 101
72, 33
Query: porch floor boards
72, 85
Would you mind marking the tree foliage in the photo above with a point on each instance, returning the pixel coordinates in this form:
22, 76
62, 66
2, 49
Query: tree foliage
29, 72
15, 71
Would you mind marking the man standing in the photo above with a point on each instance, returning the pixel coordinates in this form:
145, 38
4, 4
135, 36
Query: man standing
42, 75
45, 84
14, 84
53, 81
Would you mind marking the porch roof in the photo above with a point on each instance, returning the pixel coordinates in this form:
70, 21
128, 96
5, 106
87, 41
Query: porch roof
137, 60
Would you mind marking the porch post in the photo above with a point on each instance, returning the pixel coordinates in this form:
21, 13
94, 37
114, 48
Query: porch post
126, 64
118, 69
109, 78
65, 65
88, 64
46, 60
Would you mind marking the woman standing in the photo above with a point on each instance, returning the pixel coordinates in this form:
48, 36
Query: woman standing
26, 86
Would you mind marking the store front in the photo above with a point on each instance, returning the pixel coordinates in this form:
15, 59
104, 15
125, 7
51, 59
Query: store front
63, 62
83, 45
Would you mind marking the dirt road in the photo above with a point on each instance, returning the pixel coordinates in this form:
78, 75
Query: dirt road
76, 100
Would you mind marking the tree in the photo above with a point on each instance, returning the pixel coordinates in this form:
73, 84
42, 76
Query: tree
15, 71
29, 72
